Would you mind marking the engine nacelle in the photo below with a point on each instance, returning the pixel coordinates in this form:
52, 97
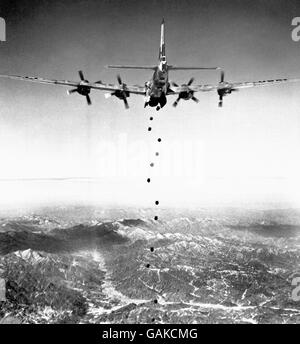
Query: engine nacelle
84, 91
121, 94
186, 95
224, 91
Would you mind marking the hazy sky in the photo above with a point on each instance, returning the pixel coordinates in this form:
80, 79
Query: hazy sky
248, 151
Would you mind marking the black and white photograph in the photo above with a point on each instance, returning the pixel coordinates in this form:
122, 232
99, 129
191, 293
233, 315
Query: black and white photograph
149, 163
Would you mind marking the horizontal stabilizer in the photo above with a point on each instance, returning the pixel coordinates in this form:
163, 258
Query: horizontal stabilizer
193, 68
133, 67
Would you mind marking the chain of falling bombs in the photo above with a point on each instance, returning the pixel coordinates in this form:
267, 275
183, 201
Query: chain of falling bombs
156, 203
155, 301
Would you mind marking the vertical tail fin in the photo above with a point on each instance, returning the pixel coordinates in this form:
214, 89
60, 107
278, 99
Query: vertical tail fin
162, 49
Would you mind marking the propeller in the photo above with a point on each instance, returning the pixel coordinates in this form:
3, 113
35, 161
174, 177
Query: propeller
88, 100
81, 75
176, 102
121, 93
190, 81
221, 94
224, 88
186, 94
222, 76
82, 89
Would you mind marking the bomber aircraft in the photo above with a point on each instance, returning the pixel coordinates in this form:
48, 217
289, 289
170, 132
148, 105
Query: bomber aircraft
156, 90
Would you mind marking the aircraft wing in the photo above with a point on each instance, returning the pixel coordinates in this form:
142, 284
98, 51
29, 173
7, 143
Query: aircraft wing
240, 85
41, 80
135, 89
194, 88
133, 67
229, 85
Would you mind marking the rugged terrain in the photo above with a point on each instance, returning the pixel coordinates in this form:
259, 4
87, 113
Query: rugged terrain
89, 265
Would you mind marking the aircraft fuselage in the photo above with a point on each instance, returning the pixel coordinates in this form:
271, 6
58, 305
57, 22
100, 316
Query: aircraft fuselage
157, 87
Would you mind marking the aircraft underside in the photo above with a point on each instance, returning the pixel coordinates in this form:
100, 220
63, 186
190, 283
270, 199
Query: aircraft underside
157, 101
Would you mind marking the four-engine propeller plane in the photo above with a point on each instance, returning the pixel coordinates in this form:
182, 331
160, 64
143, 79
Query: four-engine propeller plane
158, 88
